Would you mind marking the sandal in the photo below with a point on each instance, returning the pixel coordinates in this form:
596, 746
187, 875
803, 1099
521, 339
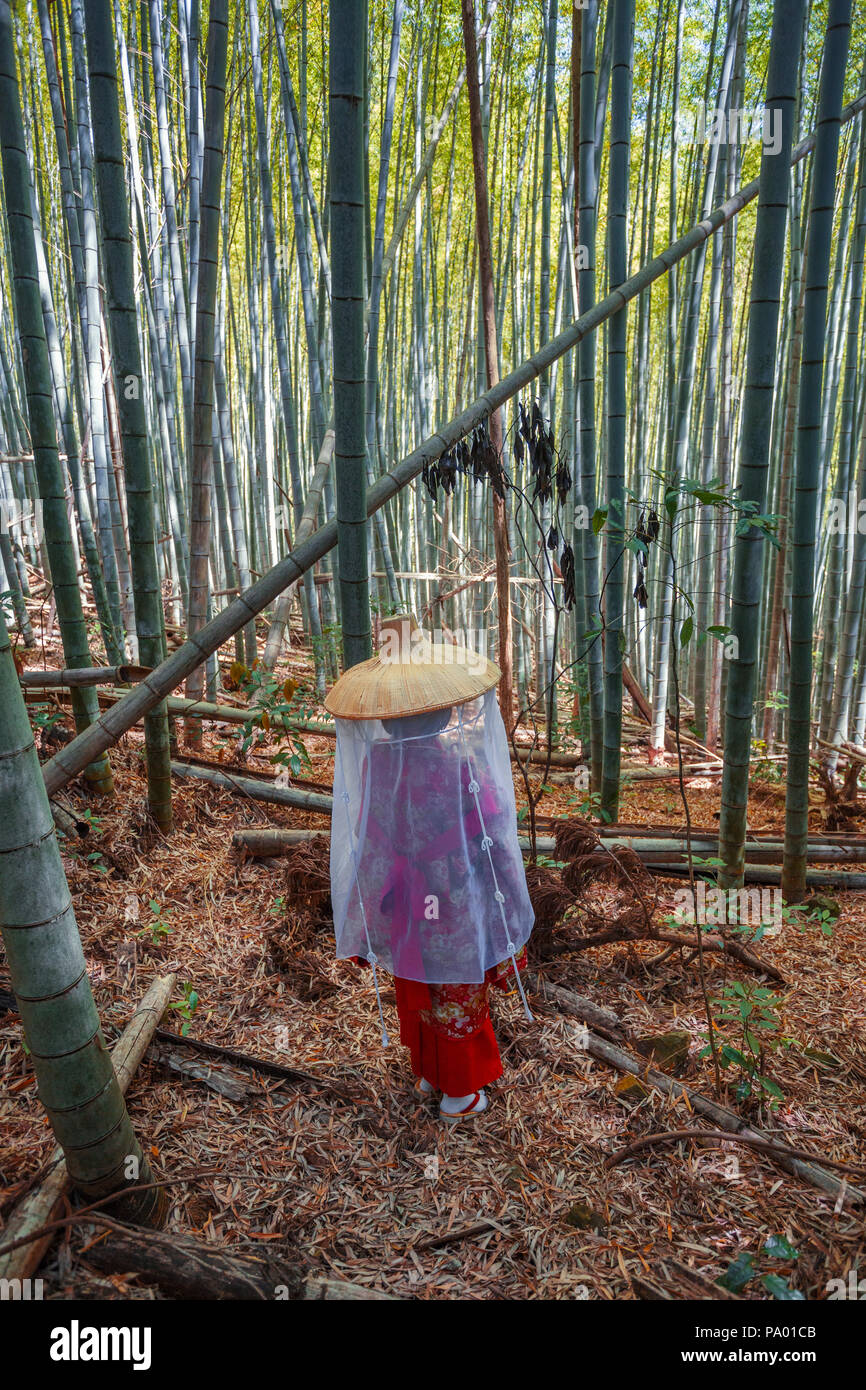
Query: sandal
476, 1105
423, 1089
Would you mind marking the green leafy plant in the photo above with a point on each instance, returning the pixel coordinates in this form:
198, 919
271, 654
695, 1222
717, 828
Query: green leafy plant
275, 703
157, 927
44, 717
822, 912
186, 1006
743, 1270
751, 1016
588, 806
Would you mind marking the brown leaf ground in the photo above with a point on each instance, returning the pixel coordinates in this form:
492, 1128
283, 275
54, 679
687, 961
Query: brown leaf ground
358, 1178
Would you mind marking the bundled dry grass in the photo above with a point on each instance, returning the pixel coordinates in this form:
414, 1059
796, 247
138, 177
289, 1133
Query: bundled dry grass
308, 877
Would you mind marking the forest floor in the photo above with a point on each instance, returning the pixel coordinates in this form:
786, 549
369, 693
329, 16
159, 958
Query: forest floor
349, 1172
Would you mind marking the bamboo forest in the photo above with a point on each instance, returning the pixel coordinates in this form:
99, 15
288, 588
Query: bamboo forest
433, 662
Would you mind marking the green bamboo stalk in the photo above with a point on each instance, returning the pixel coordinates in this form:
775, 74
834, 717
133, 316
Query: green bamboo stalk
90, 313
755, 438
203, 378
622, 19
70, 214
38, 388
348, 42
129, 385
76, 1081
69, 761
588, 185
808, 448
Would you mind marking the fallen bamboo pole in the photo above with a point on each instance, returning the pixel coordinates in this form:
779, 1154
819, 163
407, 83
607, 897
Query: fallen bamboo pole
87, 746
256, 790
74, 678
765, 873
266, 844
662, 857
39, 1206
631, 1065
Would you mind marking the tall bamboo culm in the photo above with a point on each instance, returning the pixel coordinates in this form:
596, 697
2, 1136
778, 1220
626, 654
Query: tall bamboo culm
73, 1067
108, 152
808, 468
39, 392
622, 19
201, 523
755, 434
346, 51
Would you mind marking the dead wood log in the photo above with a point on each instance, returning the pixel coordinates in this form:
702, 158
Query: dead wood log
40, 1205
225, 1081
67, 824
187, 1268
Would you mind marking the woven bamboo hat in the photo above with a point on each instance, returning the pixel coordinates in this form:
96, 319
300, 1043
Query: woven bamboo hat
410, 675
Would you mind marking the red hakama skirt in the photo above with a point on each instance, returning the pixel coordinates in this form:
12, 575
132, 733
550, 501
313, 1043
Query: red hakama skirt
448, 1032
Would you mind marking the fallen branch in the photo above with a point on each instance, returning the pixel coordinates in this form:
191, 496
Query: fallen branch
243, 1059
481, 1228
767, 1146
725, 1119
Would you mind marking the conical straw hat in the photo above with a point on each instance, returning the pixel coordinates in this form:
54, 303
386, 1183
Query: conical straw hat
410, 675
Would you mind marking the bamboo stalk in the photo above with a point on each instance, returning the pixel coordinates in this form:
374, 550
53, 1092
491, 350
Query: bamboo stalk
40, 1205
70, 679
128, 377
72, 759
630, 1064
257, 791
